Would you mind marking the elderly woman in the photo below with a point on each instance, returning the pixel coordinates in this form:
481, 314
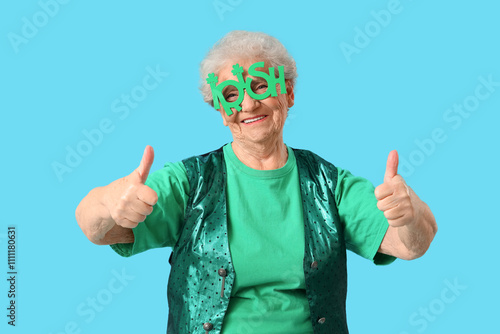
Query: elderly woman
259, 230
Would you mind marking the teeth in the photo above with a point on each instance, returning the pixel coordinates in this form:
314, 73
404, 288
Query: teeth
253, 120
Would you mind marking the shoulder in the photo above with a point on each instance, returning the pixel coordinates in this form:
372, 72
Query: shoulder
315, 169
310, 159
169, 170
172, 176
209, 165
203, 158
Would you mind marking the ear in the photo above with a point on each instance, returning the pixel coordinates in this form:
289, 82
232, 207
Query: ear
290, 96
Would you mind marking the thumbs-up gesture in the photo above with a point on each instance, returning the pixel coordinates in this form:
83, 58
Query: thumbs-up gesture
129, 200
395, 198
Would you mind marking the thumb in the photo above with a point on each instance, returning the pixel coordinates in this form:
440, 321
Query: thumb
391, 168
146, 162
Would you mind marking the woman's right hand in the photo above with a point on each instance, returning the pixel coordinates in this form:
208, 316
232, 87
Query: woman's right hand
119, 206
128, 200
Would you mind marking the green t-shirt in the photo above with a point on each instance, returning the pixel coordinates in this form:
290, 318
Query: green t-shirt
266, 240
266, 237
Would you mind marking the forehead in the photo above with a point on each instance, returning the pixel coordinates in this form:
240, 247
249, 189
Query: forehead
225, 71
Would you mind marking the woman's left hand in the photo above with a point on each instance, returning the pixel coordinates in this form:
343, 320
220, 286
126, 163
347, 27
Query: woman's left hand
412, 225
395, 198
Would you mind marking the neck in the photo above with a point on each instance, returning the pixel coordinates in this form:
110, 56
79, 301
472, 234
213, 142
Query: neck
263, 156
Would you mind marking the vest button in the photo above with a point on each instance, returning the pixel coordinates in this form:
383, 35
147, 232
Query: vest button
208, 326
314, 265
321, 321
222, 272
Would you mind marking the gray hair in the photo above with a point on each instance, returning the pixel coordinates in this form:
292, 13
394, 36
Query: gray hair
245, 44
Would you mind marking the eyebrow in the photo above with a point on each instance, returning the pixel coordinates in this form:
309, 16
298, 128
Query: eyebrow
228, 88
256, 81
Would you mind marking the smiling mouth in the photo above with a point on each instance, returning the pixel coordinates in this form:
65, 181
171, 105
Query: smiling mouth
252, 120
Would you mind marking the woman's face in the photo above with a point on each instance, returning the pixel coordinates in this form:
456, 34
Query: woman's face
259, 121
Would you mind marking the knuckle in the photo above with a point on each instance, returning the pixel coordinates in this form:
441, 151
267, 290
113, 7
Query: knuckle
120, 210
124, 198
117, 214
124, 223
130, 191
152, 195
132, 224
120, 206
406, 205
401, 195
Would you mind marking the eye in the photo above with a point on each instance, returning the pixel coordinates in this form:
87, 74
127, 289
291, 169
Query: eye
262, 87
231, 96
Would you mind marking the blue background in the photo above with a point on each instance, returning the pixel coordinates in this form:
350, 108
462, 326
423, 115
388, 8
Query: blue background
352, 110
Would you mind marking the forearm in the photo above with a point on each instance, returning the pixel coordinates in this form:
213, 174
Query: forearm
93, 217
417, 236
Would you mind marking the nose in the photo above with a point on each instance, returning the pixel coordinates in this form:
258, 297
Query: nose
249, 104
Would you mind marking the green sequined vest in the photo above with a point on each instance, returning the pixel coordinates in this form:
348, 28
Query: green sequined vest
202, 274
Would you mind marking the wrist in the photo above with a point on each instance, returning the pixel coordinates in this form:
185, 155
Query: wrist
104, 221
